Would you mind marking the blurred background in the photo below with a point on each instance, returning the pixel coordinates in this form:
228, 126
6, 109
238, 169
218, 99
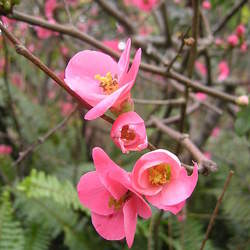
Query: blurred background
46, 145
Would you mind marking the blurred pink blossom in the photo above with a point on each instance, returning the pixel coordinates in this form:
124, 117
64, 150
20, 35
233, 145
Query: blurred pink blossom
201, 68
145, 5
233, 40
224, 71
215, 132
243, 100
243, 47
113, 44
5, 149
201, 96
206, 5
66, 107
208, 155
240, 30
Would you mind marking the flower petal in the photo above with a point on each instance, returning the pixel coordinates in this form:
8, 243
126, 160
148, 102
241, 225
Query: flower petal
93, 194
106, 103
89, 63
110, 227
130, 219
106, 168
177, 190
124, 59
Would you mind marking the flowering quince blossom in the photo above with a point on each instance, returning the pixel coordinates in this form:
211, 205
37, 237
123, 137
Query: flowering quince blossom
201, 68
215, 132
129, 133
243, 47
5, 150
145, 5
201, 96
233, 40
102, 82
206, 5
223, 71
240, 30
50, 6
159, 176
113, 203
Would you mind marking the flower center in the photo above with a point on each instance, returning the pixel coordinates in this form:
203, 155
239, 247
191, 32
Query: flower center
107, 83
117, 204
127, 133
160, 174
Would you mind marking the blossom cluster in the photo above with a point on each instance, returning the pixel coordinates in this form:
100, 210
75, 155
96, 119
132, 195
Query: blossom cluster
114, 196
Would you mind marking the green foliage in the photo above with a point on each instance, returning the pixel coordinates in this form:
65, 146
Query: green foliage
38, 185
242, 124
11, 232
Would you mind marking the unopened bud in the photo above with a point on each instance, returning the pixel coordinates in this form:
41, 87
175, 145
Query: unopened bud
189, 41
242, 100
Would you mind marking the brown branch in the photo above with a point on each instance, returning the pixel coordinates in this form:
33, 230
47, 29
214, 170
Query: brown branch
205, 165
216, 209
42, 139
73, 32
228, 16
171, 102
118, 15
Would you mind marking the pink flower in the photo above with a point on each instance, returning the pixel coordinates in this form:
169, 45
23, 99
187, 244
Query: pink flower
113, 44
64, 50
113, 203
218, 41
5, 149
145, 5
66, 107
159, 176
208, 155
50, 6
101, 81
223, 71
233, 40
240, 30
216, 131
243, 100
243, 47
206, 5
201, 68
200, 96
129, 133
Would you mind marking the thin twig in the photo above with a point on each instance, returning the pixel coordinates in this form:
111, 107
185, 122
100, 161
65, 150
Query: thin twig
216, 209
42, 139
228, 16
172, 102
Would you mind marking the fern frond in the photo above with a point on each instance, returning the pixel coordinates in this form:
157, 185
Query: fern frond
11, 232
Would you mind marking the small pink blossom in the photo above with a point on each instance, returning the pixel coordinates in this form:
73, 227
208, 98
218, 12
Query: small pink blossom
223, 71
160, 177
240, 30
50, 6
215, 132
243, 47
64, 50
17, 80
218, 41
145, 5
101, 81
66, 107
233, 40
208, 155
129, 133
5, 149
113, 44
243, 100
8, 22
206, 5
113, 203
201, 96
201, 68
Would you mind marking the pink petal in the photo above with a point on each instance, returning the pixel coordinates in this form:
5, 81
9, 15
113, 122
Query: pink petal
105, 168
174, 209
132, 73
88, 63
143, 209
110, 227
106, 103
140, 171
177, 190
93, 194
124, 59
130, 220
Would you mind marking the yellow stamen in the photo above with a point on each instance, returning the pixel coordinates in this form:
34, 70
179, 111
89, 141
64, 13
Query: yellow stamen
127, 134
160, 174
117, 204
107, 83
